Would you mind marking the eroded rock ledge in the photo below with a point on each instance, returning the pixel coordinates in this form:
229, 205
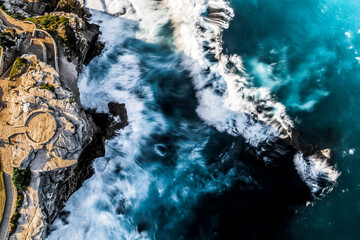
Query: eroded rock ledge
51, 134
46, 128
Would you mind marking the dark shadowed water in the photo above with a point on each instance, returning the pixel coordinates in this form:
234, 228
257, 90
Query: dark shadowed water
307, 53
200, 157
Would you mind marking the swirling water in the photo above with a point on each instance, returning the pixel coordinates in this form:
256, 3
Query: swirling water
205, 85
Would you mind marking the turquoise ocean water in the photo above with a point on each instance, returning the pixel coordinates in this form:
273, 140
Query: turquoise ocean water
203, 156
307, 52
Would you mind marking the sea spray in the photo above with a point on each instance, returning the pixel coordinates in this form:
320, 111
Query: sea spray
172, 80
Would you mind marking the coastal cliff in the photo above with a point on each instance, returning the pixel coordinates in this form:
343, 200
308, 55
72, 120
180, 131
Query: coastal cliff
39, 7
53, 131
44, 128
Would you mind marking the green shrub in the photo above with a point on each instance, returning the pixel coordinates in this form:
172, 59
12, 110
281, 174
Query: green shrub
49, 22
15, 15
71, 100
19, 65
13, 222
48, 87
21, 178
19, 199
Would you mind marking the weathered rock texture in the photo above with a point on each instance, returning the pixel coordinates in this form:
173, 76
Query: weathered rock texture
83, 45
59, 155
59, 166
39, 7
11, 42
70, 137
83, 42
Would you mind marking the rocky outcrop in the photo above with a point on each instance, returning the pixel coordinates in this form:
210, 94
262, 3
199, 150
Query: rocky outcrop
28, 8
39, 7
48, 131
61, 163
10, 41
79, 43
71, 6
82, 40
57, 186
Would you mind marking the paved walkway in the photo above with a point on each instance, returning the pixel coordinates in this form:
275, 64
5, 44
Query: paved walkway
47, 46
18, 24
4, 227
46, 51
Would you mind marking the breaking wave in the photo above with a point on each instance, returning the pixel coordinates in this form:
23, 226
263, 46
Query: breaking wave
164, 60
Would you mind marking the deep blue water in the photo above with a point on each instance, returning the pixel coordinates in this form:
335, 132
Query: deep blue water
306, 52
202, 157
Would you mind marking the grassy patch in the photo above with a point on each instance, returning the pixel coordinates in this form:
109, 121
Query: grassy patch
21, 180
59, 28
71, 100
50, 23
19, 65
48, 87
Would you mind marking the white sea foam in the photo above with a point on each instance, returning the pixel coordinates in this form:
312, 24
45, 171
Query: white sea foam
351, 151
106, 207
95, 201
107, 204
231, 104
316, 172
226, 112
198, 34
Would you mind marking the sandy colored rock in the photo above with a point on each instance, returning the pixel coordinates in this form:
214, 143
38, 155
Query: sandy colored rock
45, 131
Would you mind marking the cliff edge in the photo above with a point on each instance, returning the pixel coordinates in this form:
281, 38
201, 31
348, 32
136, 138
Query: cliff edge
47, 138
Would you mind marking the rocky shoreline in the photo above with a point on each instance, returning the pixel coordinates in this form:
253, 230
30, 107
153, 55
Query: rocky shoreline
60, 165
67, 137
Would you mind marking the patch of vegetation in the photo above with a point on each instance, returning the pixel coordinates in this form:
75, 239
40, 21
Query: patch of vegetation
50, 23
60, 29
48, 87
19, 65
32, 66
21, 180
71, 100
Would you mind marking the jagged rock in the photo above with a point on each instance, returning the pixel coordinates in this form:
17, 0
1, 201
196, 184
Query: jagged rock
27, 8
83, 36
66, 140
60, 165
71, 6
60, 130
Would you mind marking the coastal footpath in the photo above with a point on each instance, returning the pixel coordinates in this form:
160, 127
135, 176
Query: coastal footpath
48, 141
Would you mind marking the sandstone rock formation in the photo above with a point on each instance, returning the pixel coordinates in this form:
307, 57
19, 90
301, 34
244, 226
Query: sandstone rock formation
43, 126
51, 135
50, 151
39, 7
